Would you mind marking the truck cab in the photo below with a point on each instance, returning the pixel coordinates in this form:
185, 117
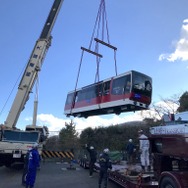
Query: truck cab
169, 148
40, 129
15, 144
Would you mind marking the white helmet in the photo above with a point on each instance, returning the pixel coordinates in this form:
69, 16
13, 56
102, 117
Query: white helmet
91, 147
106, 150
35, 145
130, 140
140, 131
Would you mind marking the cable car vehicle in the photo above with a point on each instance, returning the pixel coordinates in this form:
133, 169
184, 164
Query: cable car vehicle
130, 91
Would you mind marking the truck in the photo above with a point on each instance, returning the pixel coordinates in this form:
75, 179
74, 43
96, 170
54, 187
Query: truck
169, 159
14, 143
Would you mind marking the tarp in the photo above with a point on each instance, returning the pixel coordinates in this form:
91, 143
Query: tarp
115, 156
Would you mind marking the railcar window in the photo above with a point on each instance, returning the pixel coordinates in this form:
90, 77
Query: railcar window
98, 89
77, 96
90, 93
80, 95
87, 93
121, 85
70, 98
106, 88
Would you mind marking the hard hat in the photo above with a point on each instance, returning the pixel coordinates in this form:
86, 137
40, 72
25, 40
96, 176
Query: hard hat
130, 140
35, 145
140, 131
91, 147
106, 150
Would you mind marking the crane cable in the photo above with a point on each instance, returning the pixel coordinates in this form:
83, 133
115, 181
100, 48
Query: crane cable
12, 90
101, 23
101, 19
74, 96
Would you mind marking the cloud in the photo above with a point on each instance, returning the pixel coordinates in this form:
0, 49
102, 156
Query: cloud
181, 46
55, 124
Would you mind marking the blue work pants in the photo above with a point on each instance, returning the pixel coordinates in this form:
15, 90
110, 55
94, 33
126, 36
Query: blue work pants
103, 175
31, 176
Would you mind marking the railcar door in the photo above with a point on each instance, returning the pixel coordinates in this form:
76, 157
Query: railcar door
105, 97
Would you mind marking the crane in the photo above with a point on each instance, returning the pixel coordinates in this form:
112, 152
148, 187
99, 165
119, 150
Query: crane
33, 67
11, 149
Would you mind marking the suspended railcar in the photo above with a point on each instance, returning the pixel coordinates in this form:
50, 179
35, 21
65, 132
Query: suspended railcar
130, 91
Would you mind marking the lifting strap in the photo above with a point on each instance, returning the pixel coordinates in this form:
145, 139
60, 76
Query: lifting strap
100, 26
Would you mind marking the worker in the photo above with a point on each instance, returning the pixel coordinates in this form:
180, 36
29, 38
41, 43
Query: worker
130, 149
144, 151
93, 158
105, 164
25, 169
33, 165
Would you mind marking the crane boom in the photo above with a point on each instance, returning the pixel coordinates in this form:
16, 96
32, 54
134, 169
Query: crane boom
33, 67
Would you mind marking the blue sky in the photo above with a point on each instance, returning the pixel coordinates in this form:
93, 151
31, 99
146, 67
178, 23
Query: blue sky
151, 37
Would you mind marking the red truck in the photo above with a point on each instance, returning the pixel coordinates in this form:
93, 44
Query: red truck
169, 160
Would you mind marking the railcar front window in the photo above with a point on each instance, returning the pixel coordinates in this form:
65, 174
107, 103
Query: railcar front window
142, 84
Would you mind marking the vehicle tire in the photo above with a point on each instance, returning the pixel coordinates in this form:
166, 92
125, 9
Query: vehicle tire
168, 182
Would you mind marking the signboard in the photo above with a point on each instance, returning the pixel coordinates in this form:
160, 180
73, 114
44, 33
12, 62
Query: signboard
170, 129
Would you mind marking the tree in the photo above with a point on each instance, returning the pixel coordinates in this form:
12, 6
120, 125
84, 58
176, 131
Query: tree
183, 102
46, 129
52, 144
166, 106
68, 137
87, 136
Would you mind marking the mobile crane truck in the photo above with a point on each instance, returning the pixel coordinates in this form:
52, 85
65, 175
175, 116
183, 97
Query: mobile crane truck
14, 143
169, 152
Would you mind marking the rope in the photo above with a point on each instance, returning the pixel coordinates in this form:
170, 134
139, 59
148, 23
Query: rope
82, 54
74, 97
95, 25
115, 62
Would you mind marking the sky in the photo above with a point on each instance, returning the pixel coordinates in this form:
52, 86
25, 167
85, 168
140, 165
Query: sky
151, 37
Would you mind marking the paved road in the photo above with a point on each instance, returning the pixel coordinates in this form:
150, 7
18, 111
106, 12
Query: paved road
53, 175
